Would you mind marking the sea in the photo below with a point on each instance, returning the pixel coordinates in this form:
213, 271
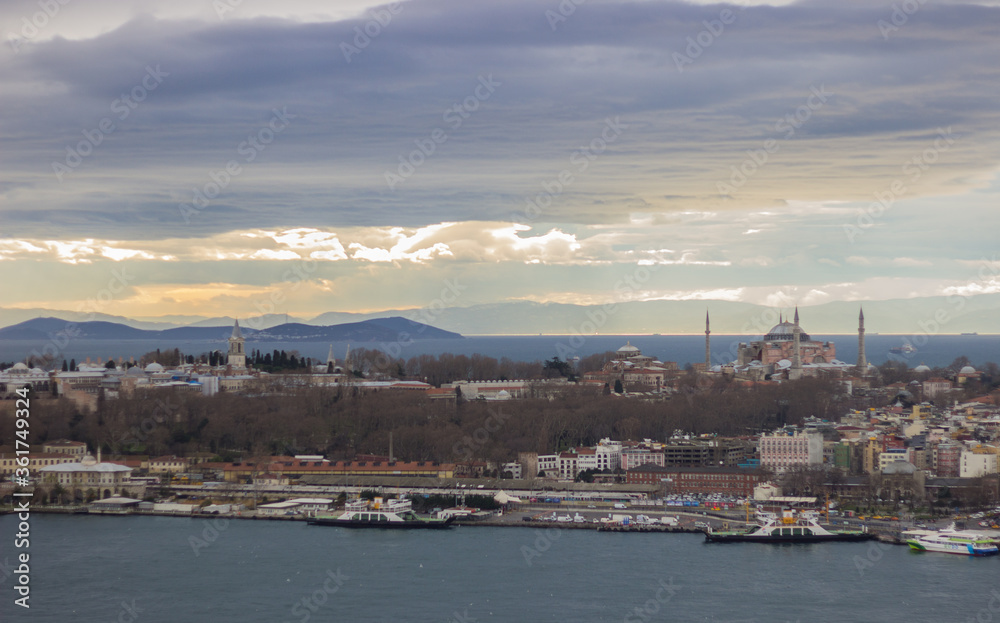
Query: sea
933, 350
164, 569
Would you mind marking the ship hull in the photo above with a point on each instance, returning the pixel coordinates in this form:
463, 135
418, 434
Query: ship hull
815, 538
383, 525
961, 549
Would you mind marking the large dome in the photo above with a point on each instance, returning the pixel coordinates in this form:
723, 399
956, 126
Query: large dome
628, 349
785, 331
967, 370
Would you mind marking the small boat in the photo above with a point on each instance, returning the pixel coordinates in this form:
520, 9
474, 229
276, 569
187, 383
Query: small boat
389, 514
952, 542
790, 527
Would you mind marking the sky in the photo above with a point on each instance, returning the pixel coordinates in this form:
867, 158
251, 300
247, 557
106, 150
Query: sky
182, 157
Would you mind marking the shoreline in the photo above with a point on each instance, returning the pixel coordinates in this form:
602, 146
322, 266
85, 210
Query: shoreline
481, 523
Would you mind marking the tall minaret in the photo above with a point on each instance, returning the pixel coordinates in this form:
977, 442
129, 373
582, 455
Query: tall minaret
796, 331
708, 350
862, 360
237, 357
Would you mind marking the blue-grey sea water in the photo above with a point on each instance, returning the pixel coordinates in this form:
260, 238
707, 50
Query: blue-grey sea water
105, 569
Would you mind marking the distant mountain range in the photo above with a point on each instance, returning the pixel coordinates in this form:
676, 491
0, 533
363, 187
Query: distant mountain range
375, 330
906, 316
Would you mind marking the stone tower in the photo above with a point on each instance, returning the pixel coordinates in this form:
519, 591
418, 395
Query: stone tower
237, 357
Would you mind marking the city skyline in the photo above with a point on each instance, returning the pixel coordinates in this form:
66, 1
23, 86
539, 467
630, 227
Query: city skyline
233, 159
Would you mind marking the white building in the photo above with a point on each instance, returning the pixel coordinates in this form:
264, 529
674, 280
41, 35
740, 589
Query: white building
609, 455
276, 509
106, 478
311, 506
975, 464
635, 457
780, 451
891, 455
514, 468
549, 464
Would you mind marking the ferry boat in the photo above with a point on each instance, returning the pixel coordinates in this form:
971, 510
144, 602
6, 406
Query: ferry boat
790, 527
379, 513
905, 349
952, 542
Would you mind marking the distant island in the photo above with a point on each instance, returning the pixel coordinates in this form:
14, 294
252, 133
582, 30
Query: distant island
375, 330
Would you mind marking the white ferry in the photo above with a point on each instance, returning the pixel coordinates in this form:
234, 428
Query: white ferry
951, 542
790, 527
379, 513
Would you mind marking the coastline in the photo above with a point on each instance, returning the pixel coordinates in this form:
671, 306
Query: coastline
492, 522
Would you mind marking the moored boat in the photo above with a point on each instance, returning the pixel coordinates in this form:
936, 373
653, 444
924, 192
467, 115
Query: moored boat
790, 527
952, 542
379, 513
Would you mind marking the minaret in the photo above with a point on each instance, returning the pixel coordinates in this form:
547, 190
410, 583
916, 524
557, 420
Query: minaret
237, 357
708, 350
862, 360
329, 356
796, 331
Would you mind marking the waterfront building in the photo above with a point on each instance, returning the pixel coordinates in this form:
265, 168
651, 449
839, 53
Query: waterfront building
549, 464
512, 470
731, 481
294, 468
90, 473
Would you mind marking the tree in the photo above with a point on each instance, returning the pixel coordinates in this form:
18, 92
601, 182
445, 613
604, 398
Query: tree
57, 493
72, 365
65, 366
618, 387
110, 365
959, 363
557, 365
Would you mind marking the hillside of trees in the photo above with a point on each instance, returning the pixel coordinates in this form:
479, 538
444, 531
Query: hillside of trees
340, 422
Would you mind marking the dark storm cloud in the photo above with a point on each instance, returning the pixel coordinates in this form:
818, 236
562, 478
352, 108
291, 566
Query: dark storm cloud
355, 120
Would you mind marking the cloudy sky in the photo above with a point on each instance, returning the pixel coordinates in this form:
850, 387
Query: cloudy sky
211, 158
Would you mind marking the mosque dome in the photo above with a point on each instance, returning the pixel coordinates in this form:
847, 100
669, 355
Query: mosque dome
19, 368
785, 331
967, 370
154, 367
922, 368
628, 350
